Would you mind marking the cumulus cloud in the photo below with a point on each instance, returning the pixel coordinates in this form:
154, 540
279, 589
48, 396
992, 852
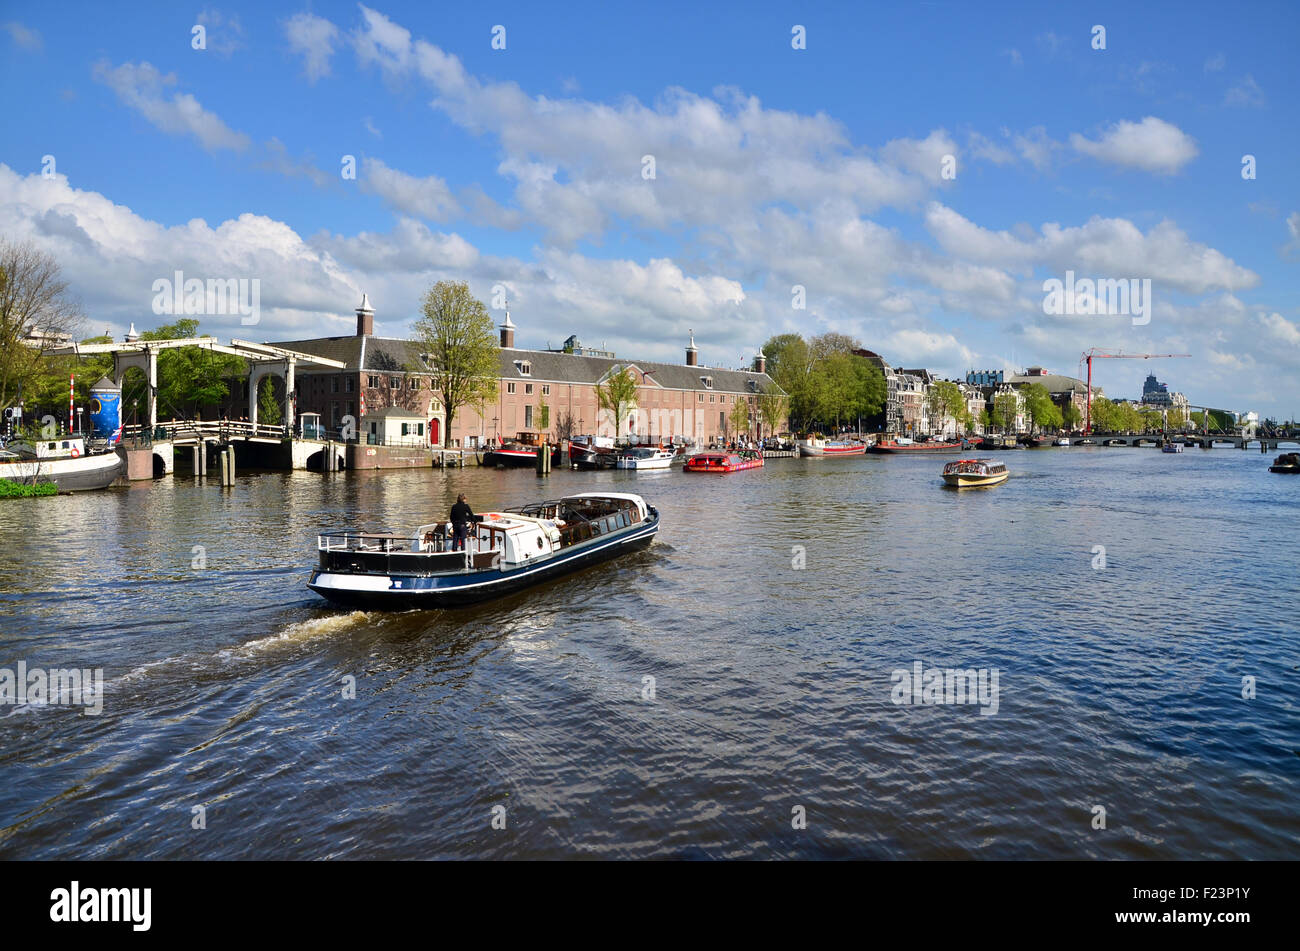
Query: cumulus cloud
224, 32
1152, 145
1245, 92
313, 38
143, 88
421, 197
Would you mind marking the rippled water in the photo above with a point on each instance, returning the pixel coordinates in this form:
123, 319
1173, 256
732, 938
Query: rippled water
1119, 687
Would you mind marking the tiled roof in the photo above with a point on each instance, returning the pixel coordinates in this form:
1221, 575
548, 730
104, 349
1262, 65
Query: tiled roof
1054, 382
385, 354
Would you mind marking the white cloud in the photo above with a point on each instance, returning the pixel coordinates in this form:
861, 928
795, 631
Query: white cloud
428, 198
142, 88
1152, 145
1216, 63
23, 36
225, 34
313, 38
1245, 92
1281, 330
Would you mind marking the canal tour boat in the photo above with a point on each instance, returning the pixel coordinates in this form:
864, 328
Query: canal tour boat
506, 552
817, 445
63, 461
645, 457
724, 463
1287, 463
1168, 446
966, 473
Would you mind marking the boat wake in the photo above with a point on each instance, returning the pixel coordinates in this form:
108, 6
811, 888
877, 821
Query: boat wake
300, 632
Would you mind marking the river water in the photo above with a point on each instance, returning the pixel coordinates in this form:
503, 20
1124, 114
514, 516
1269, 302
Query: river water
771, 613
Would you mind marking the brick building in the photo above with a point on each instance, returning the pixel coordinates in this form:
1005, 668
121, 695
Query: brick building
534, 389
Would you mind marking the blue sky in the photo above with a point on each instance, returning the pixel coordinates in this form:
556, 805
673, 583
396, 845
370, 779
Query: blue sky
821, 167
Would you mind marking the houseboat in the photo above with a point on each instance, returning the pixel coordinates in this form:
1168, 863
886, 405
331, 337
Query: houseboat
592, 452
906, 446
63, 461
519, 452
817, 445
723, 463
967, 473
506, 552
645, 457
1288, 463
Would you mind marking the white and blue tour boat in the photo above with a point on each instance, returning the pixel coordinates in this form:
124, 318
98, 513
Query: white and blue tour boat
505, 552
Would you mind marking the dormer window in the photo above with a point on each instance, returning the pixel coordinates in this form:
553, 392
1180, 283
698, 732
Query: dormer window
524, 367
707, 381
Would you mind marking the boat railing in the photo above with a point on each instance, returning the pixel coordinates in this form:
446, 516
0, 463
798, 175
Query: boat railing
389, 543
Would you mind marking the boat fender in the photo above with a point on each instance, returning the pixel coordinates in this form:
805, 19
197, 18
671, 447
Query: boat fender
75, 452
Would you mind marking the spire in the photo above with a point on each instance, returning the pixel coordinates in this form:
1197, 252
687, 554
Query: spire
692, 354
507, 329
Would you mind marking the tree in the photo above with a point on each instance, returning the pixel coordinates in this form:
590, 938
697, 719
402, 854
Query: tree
1005, 406
740, 417
191, 377
1043, 413
790, 365
986, 420
773, 408
1105, 415
945, 400
617, 394
564, 426
1176, 418
543, 414
454, 329
1070, 416
268, 407
34, 306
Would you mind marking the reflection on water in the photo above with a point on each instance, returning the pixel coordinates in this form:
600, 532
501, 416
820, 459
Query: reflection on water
679, 701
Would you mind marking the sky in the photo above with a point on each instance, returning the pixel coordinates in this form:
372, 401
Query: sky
912, 174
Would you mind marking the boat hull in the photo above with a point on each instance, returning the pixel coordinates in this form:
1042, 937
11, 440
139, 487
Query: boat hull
806, 450
82, 474
510, 458
925, 447
966, 480
398, 592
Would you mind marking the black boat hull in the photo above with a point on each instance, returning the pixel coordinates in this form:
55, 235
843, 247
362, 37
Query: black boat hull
414, 592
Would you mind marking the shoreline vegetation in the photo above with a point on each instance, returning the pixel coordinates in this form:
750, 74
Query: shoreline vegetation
26, 490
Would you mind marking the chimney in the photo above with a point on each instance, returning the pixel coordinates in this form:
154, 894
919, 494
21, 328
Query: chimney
692, 355
365, 318
507, 333
760, 361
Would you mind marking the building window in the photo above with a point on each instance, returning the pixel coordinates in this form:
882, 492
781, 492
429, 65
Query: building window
701, 397
546, 389
347, 408
372, 381
510, 387
528, 389
347, 383
525, 368
394, 382
710, 397
334, 384
528, 417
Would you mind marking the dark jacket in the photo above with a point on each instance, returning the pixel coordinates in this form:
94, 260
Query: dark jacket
461, 515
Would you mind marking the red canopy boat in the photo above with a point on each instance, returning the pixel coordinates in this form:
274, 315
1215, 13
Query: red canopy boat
724, 462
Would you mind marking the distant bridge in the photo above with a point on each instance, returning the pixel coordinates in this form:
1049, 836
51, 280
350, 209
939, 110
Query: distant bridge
1265, 443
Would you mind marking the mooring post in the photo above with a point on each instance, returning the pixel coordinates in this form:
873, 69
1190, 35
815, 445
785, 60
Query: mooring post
196, 455
231, 467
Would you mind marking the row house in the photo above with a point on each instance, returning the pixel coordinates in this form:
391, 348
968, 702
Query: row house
536, 391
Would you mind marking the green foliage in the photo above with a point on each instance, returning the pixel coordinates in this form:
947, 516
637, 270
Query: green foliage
268, 407
773, 408
618, 395
824, 380
740, 416
1070, 416
543, 415
1042, 412
26, 490
188, 377
457, 333
1004, 410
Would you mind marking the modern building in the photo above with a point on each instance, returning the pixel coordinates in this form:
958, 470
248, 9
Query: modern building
538, 391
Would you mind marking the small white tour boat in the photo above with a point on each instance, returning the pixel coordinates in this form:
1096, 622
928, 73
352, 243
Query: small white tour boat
965, 473
645, 457
63, 461
1063, 441
505, 552
1169, 446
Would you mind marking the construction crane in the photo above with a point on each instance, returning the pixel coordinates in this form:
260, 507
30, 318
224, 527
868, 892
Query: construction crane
1099, 354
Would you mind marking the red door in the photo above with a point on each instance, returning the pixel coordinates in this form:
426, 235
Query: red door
433, 432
